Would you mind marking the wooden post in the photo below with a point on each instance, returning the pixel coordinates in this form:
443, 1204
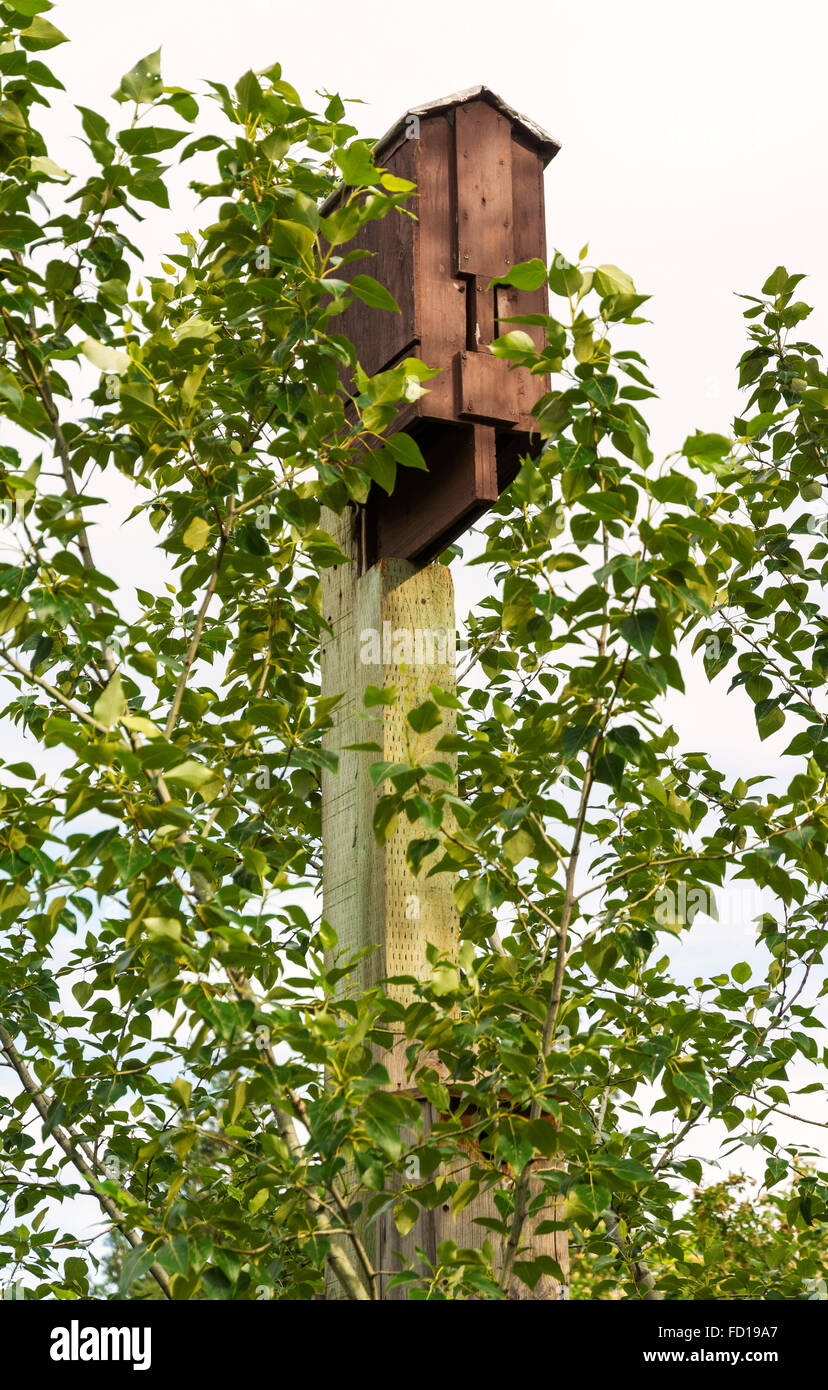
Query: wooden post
394, 625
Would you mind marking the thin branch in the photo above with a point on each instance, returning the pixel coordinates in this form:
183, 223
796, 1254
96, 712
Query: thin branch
74, 1151
192, 650
52, 690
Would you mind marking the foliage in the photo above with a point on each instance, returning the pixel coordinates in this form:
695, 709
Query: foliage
731, 1242
170, 1011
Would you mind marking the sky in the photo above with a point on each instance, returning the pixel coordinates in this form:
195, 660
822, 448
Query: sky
692, 156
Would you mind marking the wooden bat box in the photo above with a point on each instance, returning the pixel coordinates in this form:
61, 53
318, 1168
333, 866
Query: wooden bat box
479, 207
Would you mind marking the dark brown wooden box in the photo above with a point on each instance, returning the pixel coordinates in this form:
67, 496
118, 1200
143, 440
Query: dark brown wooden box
479, 206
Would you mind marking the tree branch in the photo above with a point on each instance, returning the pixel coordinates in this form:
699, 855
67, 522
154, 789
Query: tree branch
74, 1151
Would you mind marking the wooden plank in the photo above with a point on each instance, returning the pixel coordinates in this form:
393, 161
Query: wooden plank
485, 234
528, 388
435, 208
427, 511
379, 335
529, 220
486, 389
440, 295
529, 214
480, 315
443, 315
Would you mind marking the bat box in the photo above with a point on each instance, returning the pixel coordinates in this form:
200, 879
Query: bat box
479, 209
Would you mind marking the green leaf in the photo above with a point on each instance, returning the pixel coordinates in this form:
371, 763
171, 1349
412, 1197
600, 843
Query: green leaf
12, 613
758, 686
417, 851
290, 239
182, 1090
627, 1168
532, 1271
135, 1266
371, 292
513, 1143
276, 145
111, 703
425, 717
41, 34
162, 929
357, 164
192, 774
374, 696
770, 722
466, 1192
196, 328
140, 725
405, 1216
174, 1255
75, 1270
217, 1284
445, 980
83, 992
527, 275
196, 534
601, 390
564, 278
380, 465
42, 164
517, 346
30, 7
385, 819
776, 281
327, 935
406, 451
609, 280
9, 388
113, 290
397, 185
518, 846
149, 139
639, 630
11, 115
693, 1084
434, 1090
142, 83
192, 383
106, 359
706, 447
249, 94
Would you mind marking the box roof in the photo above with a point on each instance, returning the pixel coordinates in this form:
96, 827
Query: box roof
546, 144
540, 139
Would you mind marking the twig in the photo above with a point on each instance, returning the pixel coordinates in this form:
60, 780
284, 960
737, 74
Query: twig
74, 1151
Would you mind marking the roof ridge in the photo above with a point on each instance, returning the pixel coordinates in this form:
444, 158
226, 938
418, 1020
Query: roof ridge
542, 139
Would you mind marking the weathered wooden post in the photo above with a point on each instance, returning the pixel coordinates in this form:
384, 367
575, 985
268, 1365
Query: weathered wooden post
478, 167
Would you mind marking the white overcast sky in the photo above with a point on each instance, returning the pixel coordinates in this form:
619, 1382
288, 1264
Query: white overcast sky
692, 156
